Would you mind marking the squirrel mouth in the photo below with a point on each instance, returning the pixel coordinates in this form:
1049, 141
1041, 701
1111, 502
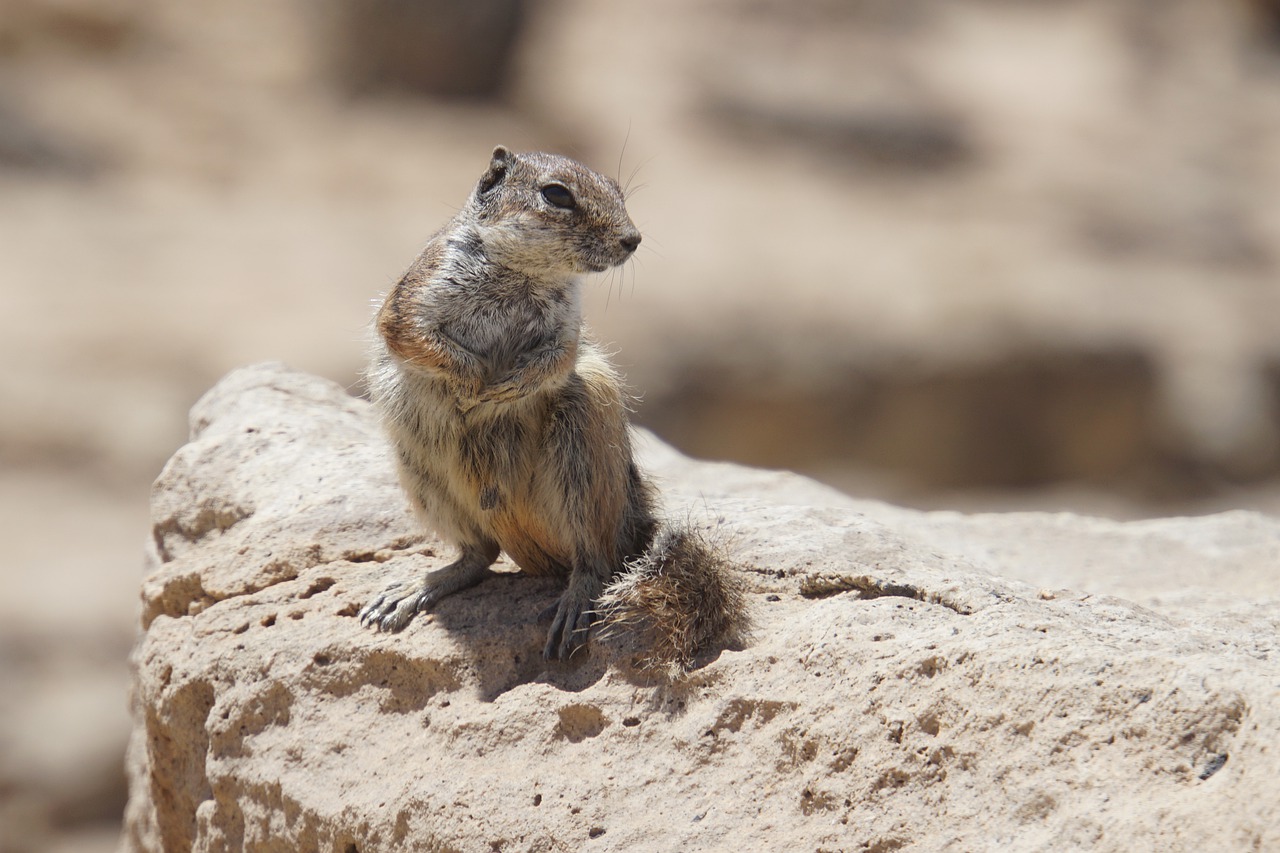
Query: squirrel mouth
600, 264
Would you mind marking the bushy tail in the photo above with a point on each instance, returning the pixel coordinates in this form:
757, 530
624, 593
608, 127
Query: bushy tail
678, 599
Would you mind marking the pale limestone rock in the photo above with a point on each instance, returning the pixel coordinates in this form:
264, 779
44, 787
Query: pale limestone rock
901, 689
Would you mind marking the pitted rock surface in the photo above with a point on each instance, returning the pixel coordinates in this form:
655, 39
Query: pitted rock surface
915, 680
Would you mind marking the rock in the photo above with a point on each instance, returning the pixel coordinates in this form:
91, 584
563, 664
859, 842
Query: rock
902, 689
94, 27
458, 48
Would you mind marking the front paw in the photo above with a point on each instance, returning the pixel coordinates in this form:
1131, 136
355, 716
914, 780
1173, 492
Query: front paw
504, 393
467, 393
490, 395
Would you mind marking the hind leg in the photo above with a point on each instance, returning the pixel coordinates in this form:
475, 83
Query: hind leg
585, 491
575, 613
397, 604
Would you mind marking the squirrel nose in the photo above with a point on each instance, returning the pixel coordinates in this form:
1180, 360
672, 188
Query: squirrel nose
631, 241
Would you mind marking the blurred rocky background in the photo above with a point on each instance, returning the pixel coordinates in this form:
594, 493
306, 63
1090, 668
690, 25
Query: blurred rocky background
952, 253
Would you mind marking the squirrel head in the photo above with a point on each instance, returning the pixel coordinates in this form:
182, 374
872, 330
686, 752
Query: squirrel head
544, 214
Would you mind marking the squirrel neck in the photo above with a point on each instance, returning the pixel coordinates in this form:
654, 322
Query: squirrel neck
486, 265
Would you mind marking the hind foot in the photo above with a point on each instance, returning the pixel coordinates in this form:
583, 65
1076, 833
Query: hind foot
575, 613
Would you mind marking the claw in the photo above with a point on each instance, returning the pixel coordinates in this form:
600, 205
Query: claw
392, 609
570, 628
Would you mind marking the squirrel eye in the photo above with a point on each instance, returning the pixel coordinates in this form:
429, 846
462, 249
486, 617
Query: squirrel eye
557, 195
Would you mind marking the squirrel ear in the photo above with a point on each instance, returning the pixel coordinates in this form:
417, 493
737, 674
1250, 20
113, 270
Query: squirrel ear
497, 170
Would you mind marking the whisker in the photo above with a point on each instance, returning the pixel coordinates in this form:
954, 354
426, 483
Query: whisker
649, 247
635, 172
623, 152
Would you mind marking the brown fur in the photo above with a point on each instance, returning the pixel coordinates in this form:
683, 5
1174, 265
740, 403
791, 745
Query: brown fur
676, 599
510, 428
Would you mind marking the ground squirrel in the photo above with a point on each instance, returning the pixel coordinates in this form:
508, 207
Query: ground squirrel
510, 426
